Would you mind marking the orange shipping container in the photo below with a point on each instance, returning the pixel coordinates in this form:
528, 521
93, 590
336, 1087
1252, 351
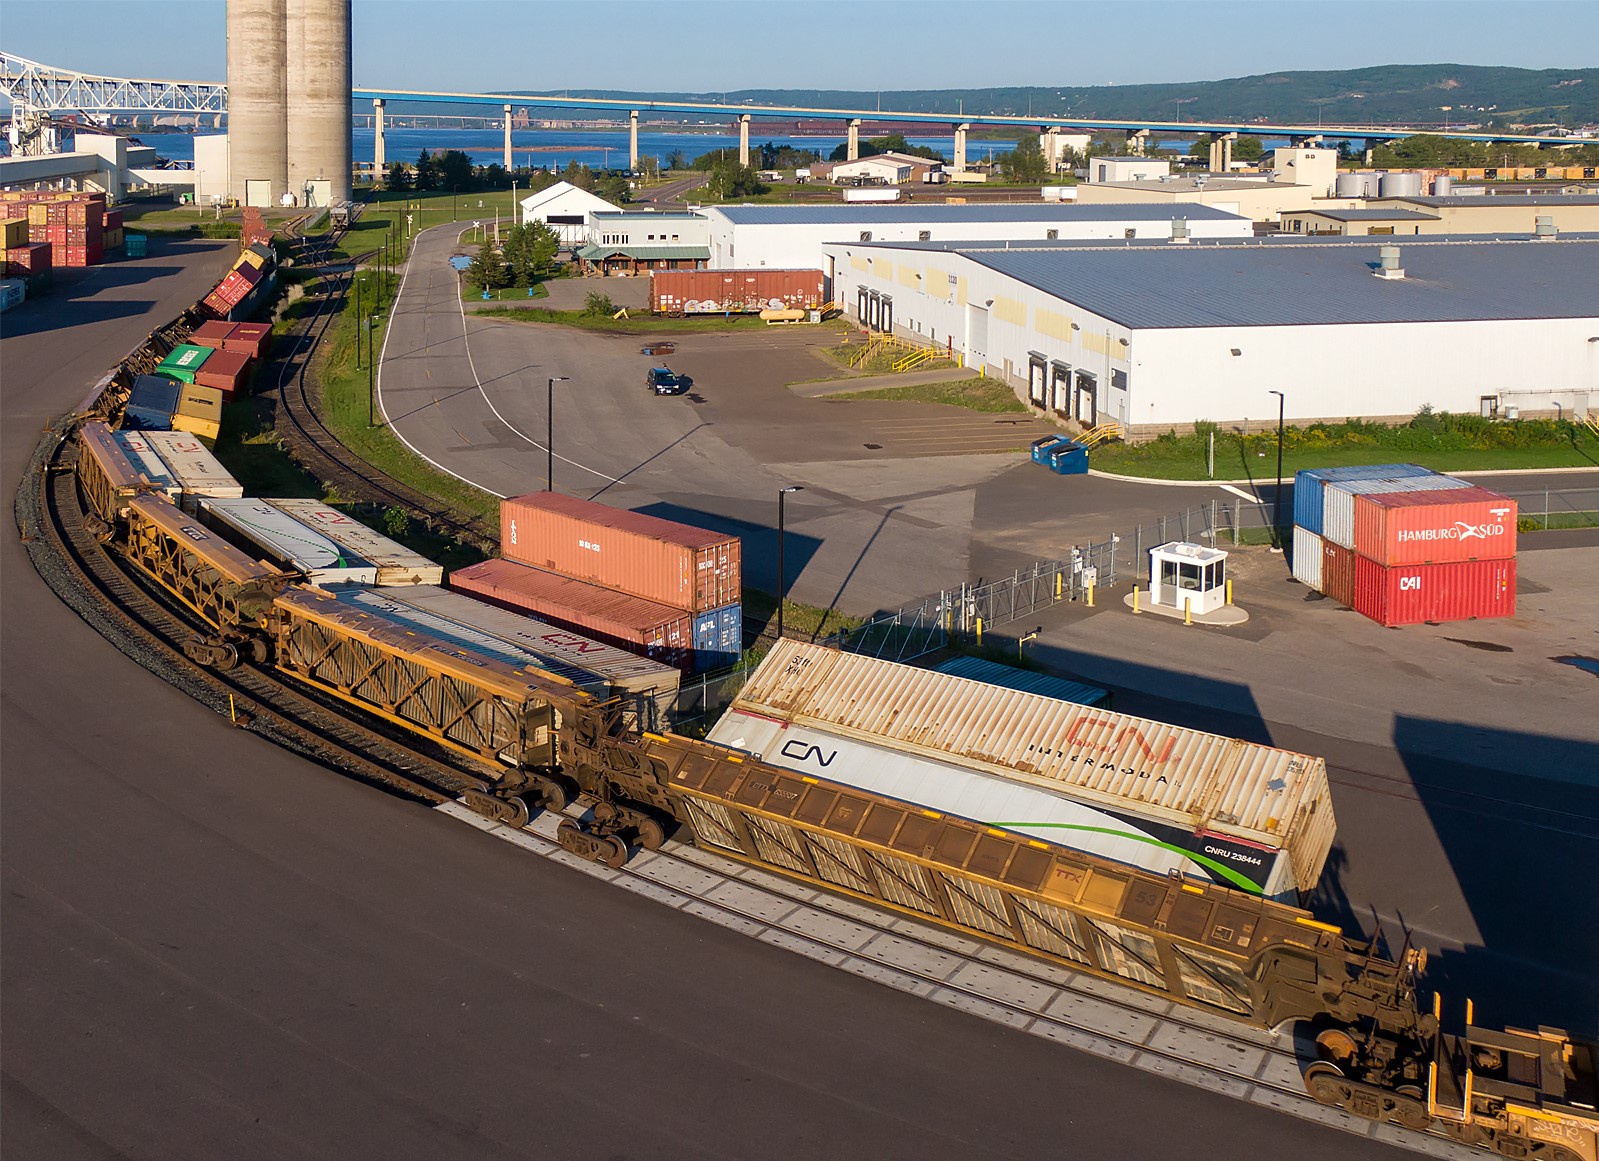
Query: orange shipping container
659, 560
681, 292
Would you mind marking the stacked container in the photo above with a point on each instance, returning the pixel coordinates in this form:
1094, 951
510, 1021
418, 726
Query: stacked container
683, 584
183, 362
1403, 545
151, 403
199, 473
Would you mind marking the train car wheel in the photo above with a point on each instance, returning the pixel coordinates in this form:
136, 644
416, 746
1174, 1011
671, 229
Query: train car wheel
1326, 1085
651, 834
260, 650
553, 797
514, 813
1410, 1108
615, 855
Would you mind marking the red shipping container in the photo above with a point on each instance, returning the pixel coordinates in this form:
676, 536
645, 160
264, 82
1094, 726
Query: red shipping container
112, 220
1338, 573
212, 334
1435, 527
660, 560
251, 338
678, 292
34, 258
232, 288
213, 303
228, 371
656, 631
1408, 594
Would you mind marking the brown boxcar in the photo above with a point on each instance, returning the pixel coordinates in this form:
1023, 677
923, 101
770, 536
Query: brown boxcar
679, 292
659, 560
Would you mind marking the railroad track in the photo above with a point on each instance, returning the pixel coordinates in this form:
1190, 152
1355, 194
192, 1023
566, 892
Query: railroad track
313, 444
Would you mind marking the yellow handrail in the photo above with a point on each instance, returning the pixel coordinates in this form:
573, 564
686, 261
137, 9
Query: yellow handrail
1097, 435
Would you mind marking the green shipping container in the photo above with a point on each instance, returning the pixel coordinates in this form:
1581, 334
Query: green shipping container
134, 246
183, 362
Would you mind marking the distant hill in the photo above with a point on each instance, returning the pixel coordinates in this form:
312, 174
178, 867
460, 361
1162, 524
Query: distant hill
1386, 94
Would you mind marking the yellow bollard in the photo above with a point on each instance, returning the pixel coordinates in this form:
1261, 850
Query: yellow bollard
1136, 609
979, 630
233, 713
1229, 592
1057, 586
1090, 596
1188, 613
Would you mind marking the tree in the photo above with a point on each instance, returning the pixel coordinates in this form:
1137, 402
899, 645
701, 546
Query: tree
494, 176
398, 178
674, 159
599, 304
1025, 163
455, 171
1248, 149
531, 251
427, 173
487, 271
889, 143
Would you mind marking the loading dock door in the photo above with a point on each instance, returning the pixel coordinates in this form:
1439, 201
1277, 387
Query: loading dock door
976, 335
1060, 389
1037, 380
1086, 406
258, 193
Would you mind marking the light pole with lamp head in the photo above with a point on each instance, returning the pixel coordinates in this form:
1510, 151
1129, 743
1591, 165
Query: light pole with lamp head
782, 495
1277, 504
371, 390
549, 432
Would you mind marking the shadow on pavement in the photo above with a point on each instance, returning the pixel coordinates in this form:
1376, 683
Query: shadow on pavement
759, 542
1525, 853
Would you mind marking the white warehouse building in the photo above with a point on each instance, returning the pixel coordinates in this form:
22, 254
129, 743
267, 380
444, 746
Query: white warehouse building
792, 237
1159, 336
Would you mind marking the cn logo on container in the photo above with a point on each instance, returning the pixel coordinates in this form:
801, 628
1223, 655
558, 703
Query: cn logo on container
1410, 584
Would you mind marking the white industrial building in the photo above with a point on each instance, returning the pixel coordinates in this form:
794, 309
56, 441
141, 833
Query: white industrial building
884, 168
792, 237
1157, 336
565, 208
1107, 169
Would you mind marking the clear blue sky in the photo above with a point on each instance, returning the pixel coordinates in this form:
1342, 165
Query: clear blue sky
698, 45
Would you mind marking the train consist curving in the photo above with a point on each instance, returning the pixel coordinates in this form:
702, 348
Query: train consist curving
1378, 1051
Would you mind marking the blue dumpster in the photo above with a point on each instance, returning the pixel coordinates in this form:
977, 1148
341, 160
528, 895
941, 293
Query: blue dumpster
1068, 458
1042, 447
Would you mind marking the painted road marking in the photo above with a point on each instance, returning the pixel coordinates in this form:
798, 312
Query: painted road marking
1240, 492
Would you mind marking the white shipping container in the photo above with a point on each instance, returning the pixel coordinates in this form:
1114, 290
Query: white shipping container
194, 467
148, 461
396, 564
283, 540
995, 801
1203, 782
1307, 558
1338, 500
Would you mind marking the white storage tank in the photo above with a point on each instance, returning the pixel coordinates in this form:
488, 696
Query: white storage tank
1443, 185
1355, 185
1401, 185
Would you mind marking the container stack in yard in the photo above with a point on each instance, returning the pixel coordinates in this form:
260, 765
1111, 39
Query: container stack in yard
77, 227
668, 590
1402, 544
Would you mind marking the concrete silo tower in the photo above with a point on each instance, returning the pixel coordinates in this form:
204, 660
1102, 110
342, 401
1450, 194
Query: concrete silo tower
318, 90
258, 168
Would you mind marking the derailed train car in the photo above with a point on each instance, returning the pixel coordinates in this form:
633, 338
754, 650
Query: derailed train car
1381, 1055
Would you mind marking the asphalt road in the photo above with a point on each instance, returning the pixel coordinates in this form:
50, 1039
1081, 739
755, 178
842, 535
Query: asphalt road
212, 949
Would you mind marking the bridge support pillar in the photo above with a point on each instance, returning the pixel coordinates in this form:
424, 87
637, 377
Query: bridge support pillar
1221, 153
508, 165
1371, 157
632, 141
378, 158
1308, 142
959, 164
744, 139
1136, 140
852, 151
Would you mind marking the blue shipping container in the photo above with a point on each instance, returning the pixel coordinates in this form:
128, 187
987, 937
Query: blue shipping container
1009, 677
1042, 448
151, 403
1308, 498
1068, 459
718, 637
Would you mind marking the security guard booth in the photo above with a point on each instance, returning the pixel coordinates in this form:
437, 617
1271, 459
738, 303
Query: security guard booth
1188, 575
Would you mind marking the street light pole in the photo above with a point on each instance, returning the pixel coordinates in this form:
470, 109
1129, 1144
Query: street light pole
371, 390
549, 432
782, 495
1277, 505
356, 278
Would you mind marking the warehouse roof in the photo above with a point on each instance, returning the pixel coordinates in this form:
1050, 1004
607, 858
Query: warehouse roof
1282, 283
1370, 215
651, 215
868, 214
1453, 201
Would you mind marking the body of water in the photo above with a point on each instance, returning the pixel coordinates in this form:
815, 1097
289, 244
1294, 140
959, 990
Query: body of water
556, 148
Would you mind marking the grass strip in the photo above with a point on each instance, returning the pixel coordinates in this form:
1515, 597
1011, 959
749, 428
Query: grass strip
975, 394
